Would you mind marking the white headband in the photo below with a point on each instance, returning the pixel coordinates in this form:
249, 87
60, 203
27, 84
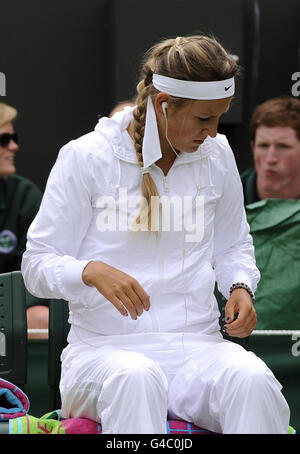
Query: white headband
194, 90
182, 89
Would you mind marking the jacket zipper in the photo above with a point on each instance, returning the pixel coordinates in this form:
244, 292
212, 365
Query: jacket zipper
166, 184
161, 264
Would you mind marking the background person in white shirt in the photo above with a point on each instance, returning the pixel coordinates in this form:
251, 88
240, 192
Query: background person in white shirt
145, 340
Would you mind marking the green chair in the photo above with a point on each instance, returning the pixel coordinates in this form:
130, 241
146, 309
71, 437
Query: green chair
13, 333
58, 331
31, 364
13, 329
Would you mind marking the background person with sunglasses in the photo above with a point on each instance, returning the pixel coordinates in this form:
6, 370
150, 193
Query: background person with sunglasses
19, 202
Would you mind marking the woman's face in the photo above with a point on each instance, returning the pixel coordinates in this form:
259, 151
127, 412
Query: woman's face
189, 125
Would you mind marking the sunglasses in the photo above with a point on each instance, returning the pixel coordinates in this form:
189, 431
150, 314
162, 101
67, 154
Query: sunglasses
6, 138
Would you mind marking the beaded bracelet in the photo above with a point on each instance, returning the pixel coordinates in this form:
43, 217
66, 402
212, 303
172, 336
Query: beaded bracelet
244, 286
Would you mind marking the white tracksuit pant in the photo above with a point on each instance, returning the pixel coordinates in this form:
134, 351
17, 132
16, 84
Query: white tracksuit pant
132, 383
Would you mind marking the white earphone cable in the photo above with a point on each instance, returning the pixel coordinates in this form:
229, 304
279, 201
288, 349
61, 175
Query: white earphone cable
167, 135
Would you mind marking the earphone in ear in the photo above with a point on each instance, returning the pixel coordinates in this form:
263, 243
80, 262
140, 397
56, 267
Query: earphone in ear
164, 108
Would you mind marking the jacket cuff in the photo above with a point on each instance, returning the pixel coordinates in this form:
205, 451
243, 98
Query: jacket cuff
71, 277
241, 276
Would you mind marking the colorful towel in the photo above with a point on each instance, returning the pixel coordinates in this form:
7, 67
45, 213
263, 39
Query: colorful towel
46, 425
183, 427
52, 423
13, 401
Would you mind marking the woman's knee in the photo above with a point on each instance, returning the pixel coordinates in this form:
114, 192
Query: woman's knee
138, 370
253, 375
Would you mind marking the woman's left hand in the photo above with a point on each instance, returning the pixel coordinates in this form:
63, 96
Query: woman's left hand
240, 303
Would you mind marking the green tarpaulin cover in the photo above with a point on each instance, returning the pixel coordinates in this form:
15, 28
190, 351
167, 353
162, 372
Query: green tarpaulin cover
275, 228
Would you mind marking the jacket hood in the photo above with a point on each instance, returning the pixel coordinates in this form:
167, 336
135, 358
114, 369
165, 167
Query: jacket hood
113, 130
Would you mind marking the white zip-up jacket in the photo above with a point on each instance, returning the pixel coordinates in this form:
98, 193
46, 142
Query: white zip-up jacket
92, 192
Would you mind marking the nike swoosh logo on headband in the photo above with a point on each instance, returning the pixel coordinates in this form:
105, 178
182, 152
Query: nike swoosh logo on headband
227, 88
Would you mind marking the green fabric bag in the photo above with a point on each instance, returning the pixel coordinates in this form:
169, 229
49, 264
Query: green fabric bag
275, 228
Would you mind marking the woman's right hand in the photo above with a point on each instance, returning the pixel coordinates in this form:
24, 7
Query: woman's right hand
123, 291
